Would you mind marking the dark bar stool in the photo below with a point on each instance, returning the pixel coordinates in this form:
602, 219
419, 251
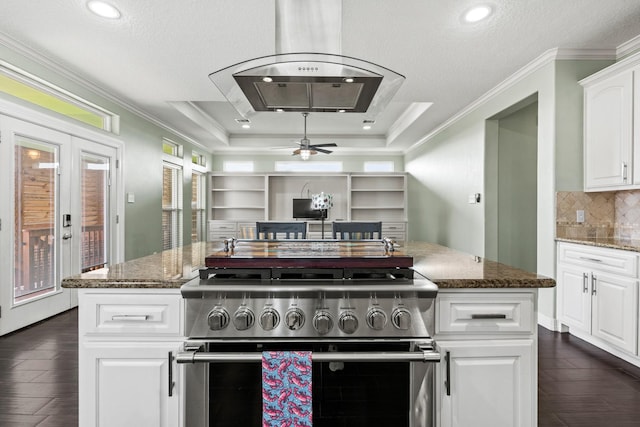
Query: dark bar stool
357, 230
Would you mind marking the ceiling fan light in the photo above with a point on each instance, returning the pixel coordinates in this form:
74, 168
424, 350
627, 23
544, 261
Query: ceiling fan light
305, 154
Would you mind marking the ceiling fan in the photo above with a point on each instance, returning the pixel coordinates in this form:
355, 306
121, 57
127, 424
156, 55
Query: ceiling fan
307, 149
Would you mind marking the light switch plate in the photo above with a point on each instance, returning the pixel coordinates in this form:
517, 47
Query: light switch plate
131, 198
580, 216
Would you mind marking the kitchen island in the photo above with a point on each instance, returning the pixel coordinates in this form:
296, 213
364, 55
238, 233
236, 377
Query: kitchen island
131, 326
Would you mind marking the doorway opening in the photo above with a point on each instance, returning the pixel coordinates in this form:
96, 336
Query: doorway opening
511, 182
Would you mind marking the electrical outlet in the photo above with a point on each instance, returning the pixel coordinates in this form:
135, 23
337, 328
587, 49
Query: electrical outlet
580, 216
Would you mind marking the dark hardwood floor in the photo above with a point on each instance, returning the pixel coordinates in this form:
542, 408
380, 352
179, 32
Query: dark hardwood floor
39, 374
579, 385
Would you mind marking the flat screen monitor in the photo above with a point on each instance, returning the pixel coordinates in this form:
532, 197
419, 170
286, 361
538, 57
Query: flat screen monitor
302, 210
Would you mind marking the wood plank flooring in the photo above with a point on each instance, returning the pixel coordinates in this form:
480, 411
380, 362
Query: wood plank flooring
579, 385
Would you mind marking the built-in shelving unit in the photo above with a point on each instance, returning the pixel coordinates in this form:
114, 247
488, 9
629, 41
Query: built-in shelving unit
238, 197
239, 200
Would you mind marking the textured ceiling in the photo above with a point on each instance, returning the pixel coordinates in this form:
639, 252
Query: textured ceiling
158, 56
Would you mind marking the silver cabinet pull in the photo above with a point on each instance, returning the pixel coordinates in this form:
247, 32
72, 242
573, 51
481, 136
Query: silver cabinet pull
590, 259
489, 316
67, 236
375, 356
593, 284
585, 283
130, 317
624, 171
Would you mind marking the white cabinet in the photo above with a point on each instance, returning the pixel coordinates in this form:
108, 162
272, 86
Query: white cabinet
128, 339
129, 383
488, 383
488, 375
611, 122
598, 294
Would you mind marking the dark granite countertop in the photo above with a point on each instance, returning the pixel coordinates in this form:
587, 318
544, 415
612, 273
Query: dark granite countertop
446, 267
605, 242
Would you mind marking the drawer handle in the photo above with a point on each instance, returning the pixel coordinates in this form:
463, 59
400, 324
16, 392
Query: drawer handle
131, 317
489, 316
590, 259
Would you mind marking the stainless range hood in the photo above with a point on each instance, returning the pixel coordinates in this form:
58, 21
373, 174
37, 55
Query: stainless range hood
308, 72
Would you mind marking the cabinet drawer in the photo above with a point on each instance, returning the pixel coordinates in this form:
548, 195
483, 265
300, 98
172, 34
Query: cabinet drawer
221, 235
486, 312
610, 260
393, 226
125, 313
222, 226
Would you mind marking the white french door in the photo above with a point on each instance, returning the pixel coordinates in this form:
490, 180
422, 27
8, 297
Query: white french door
58, 218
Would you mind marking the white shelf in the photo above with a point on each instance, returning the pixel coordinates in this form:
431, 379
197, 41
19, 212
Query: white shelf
268, 197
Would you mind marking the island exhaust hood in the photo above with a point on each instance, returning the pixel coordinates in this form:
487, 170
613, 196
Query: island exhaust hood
308, 73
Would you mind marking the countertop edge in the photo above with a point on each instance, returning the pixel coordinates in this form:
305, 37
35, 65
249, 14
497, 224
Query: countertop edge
624, 245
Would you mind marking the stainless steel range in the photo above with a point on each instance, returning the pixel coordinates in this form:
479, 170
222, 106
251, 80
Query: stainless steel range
358, 306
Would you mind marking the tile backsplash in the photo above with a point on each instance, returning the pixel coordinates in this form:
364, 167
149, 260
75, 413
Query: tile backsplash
607, 214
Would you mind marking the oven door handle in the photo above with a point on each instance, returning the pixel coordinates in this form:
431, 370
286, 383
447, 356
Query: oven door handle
375, 356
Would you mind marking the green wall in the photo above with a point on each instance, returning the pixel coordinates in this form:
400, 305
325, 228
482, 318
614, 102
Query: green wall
142, 161
450, 166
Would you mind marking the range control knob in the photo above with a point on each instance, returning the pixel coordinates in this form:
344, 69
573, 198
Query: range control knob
401, 318
348, 322
322, 322
243, 318
218, 319
376, 319
269, 319
294, 319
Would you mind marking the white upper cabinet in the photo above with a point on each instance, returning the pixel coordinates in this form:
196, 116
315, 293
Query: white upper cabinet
611, 135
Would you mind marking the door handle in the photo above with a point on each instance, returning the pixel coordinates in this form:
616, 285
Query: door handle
594, 279
66, 236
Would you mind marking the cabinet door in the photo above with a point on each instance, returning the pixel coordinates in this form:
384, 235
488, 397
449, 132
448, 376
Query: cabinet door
491, 384
574, 297
614, 313
127, 384
608, 132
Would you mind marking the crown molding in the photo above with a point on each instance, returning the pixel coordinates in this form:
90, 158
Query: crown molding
524, 72
628, 47
50, 64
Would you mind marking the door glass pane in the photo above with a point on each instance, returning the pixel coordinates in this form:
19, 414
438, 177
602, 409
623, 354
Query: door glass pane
36, 207
95, 208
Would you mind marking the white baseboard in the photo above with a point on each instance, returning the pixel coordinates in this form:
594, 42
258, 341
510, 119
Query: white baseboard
549, 323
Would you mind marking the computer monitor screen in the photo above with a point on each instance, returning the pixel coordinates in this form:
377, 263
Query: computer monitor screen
302, 209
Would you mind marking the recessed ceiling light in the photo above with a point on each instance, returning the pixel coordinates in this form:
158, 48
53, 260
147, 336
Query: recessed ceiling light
267, 79
477, 13
348, 79
341, 111
103, 9
366, 127
246, 126
279, 110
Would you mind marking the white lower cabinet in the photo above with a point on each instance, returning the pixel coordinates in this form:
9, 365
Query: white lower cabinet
127, 384
598, 295
487, 383
488, 373
128, 375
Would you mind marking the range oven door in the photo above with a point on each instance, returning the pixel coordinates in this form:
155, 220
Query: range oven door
355, 383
